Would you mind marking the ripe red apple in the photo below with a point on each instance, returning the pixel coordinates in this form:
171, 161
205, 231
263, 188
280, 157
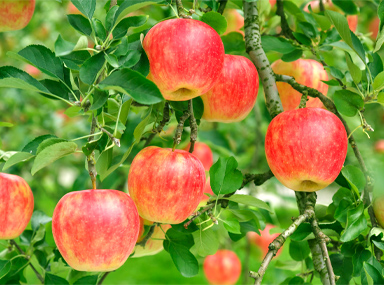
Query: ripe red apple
95, 230
16, 205
224, 267
166, 185
306, 148
264, 239
232, 97
155, 244
33, 71
15, 15
379, 146
308, 72
328, 5
378, 208
234, 21
203, 152
185, 56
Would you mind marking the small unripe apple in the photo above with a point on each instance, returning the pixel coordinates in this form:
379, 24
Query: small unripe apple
234, 21
185, 57
379, 146
308, 72
203, 152
166, 185
378, 208
306, 148
264, 239
15, 15
95, 230
16, 205
224, 267
234, 94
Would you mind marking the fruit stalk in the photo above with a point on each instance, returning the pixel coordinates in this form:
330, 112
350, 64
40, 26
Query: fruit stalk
91, 158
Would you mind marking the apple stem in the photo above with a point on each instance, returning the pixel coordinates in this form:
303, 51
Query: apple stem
143, 242
179, 129
180, 10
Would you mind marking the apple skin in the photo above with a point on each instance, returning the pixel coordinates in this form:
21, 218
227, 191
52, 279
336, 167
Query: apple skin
207, 189
264, 239
234, 21
33, 71
308, 72
378, 209
185, 56
95, 230
233, 96
203, 152
374, 27
71, 9
155, 244
379, 146
166, 185
224, 267
306, 148
15, 15
16, 206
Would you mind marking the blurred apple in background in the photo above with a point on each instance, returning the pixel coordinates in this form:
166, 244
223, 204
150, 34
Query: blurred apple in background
263, 240
71, 9
235, 21
374, 27
33, 71
378, 208
203, 152
379, 146
15, 15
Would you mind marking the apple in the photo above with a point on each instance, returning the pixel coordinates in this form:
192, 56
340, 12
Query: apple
232, 97
16, 206
95, 230
71, 9
308, 72
234, 21
379, 146
272, 2
374, 27
33, 71
224, 267
306, 148
185, 57
155, 243
264, 239
203, 152
15, 15
208, 190
166, 185
378, 208
328, 5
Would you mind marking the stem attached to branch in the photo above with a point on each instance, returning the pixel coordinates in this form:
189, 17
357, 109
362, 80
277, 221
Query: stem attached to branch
179, 129
148, 236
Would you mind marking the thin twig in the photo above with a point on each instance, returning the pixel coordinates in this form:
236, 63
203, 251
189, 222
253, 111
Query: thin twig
179, 129
143, 242
160, 127
103, 278
115, 140
258, 179
193, 126
180, 10
198, 214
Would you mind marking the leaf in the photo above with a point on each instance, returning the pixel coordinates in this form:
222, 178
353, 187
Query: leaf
53, 279
355, 178
342, 193
348, 102
63, 47
356, 224
57, 90
112, 60
185, 262
51, 154
99, 29
100, 97
322, 21
341, 25
299, 250
354, 70
292, 56
331, 82
134, 84
378, 82
32, 146
91, 68
16, 158
110, 18
206, 242
376, 276
39, 235
348, 6
39, 218
44, 59
216, 21
233, 43
341, 212
121, 28
5, 267
302, 38
86, 7
6, 125
380, 98
129, 6
48, 142
280, 45
80, 24
249, 201
130, 59
225, 178
180, 238
232, 225
87, 280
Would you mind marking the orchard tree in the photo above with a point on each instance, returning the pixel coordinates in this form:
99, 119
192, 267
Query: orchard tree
144, 90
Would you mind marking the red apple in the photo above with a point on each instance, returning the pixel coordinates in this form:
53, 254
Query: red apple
374, 27
224, 267
234, 21
232, 97
264, 239
272, 2
71, 9
95, 230
33, 71
306, 148
203, 152
154, 244
328, 5
379, 146
378, 208
166, 185
185, 56
16, 205
15, 15
308, 72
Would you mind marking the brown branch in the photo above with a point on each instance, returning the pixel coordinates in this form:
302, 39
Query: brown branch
27, 258
193, 126
258, 179
160, 127
91, 158
181, 11
116, 141
285, 29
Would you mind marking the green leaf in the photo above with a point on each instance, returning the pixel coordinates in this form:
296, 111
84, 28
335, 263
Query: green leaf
356, 224
32, 146
39, 235
181, 238
232, 225
244, 216
39, 218
225, 177
99, 29
376, 276
185, 262
63, 47
5, 267
57, 90
216, 21
51, 279
16, 158
51, 154
354, 70
378, 82
100, 97
358, 47
80, 24
302, 38
280, 45
44, 59
112, 60
249, 201
121, 28
342, 193
299, 250
87, 280
91, 68
233, 43
6, 124
48, 142
129, 6
355, 178
348, 6
341, 25
348, 102
380, 98
110, 18
292, 56
130, 59
322, 21
206, 242
341, 212
134, 84
332, 82
86, 7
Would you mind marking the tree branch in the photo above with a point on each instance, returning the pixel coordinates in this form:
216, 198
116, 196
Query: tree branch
285, 29
160, 127
179, 129
193, 126
180, 10
91, 158
258, 179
